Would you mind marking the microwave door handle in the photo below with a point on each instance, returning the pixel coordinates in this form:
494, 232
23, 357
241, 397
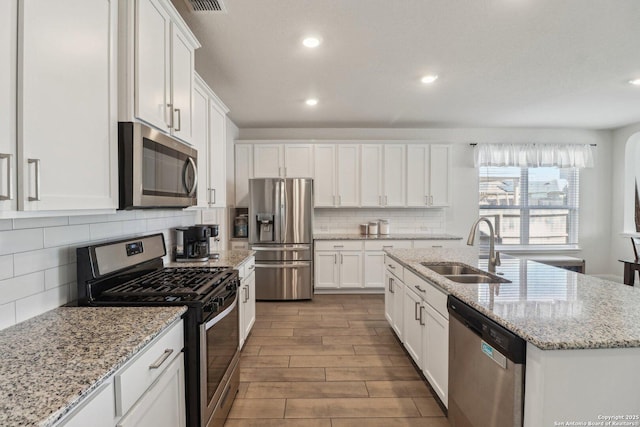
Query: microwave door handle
195, 176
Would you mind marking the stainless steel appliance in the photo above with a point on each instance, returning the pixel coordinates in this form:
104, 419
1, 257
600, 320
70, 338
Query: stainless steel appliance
192, 243
154, 169
130, 272
281, 233
486, 370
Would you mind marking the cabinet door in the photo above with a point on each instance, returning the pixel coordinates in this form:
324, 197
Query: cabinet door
394, 175
374, 269
250, 312
398, 306
182, 66
243, 171
67, 119
99, 411
298, 161
327, 269
417, 175
8, 44
371, 176
152, 66
201, 142
388, 298
348, 160
267, 161
324, 184
163, 404
436, 351
217, 156
350, 269
412, 325
440, 175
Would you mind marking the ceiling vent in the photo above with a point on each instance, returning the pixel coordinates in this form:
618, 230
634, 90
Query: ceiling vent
216, 6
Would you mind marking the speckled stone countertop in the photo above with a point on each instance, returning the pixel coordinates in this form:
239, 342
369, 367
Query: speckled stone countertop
50, 362
231, 259
549, 307
355, 236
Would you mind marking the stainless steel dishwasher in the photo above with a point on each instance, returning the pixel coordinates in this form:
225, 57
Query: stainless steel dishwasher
486, 370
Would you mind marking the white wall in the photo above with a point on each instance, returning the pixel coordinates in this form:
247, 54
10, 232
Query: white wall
622, 197
595, 190
38, 255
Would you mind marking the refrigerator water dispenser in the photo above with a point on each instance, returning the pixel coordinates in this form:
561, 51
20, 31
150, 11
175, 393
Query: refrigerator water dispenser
265, 227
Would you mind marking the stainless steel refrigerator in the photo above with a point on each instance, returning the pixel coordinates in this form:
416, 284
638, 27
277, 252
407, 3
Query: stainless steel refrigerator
281, 233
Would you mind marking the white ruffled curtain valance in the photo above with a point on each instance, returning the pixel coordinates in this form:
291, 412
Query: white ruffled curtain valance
534, 155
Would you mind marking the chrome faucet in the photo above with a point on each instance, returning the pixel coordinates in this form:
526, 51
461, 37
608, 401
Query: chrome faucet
494, 256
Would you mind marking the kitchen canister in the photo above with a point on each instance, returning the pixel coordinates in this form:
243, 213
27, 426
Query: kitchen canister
373, 227
383, 227
364, 229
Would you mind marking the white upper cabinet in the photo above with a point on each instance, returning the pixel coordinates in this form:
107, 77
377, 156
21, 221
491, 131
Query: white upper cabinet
324, 184
201, 139
428, 172
8, 44
157, 67
217, 184
283, 160
67, 118
394, 178
243, 172
371, 176
348, 183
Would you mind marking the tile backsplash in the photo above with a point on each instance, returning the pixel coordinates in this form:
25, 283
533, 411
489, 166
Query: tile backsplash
401, 220
38, 255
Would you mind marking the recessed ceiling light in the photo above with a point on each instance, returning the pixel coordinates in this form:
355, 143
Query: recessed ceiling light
428, 79
635, 82
311, 102
311, 42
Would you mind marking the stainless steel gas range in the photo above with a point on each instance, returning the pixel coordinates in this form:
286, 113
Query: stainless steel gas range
131, 272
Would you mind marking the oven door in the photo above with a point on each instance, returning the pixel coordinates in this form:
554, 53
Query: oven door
219, 355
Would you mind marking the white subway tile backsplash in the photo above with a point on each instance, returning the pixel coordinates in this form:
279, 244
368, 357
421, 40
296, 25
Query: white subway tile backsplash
401, 220
6, 266
61, 275
29, 307
7, 315
105, 230
20, 240
28, 262
58, 236
56, 221
21, 286
90, 219
6, 224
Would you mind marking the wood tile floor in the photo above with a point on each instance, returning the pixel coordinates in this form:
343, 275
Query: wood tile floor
329, 362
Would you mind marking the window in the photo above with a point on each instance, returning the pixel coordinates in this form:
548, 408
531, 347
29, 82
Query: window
530, 205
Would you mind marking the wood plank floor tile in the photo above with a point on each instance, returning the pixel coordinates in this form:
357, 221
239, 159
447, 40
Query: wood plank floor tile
386, 331
312, 324
368, 323
301, 350
392, 349
358, 340
250, 350
272, 332
273, 317
351, 316
308, 332
310, 389
265, 422
282, 374
264, 362
339, 361
390, 422
242, 390
384, 373
257, 408
427, 406
416, 388
353, 407
270, 341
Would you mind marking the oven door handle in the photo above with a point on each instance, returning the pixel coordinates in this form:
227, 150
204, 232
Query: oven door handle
219, 316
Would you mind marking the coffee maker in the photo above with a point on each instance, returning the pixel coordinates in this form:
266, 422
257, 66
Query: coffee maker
192, 243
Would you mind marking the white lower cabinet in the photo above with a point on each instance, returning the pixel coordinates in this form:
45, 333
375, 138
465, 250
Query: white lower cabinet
424, 331
247, 298
374, 260
338, 264
148, 391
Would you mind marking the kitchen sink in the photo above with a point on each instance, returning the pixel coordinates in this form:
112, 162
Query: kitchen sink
463, 273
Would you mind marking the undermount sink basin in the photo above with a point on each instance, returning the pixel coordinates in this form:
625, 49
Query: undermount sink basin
463, 273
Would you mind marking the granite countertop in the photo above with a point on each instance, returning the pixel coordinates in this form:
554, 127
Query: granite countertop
355, 236
549, 307
50, 362
231, 259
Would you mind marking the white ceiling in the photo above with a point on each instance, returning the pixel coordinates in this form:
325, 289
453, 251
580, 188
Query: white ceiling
501, 63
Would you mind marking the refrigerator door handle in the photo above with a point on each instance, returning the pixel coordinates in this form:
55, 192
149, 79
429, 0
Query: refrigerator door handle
282, 248
283, 210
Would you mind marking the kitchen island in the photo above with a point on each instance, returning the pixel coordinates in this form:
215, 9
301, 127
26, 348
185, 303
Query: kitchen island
582, 333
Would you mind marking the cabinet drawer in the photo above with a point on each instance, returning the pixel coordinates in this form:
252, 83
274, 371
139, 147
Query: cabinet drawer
377, 245
394, 267
140, 373
429, 293
420, 244
246, 268
339, 245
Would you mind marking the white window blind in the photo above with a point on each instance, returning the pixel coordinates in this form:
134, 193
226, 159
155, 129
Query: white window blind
534, 155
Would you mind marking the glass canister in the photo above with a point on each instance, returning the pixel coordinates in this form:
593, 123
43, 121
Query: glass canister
241, 226
383, 226
373, 227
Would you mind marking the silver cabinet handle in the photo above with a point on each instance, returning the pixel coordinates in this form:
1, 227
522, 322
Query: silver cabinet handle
285, 171
9, 196
380, 200
279, 171
386, 201
195, 176
421, 308
415, 311
391, 285
391, 266
419, 288
246, 293
212, 195
161, 359
338, 246
387, 246
341, 259
36, 163
170, 109
430, 200
177, 110
335, 258
252, 266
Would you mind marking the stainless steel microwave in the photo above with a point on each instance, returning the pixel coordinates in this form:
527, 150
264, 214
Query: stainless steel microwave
154, 169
